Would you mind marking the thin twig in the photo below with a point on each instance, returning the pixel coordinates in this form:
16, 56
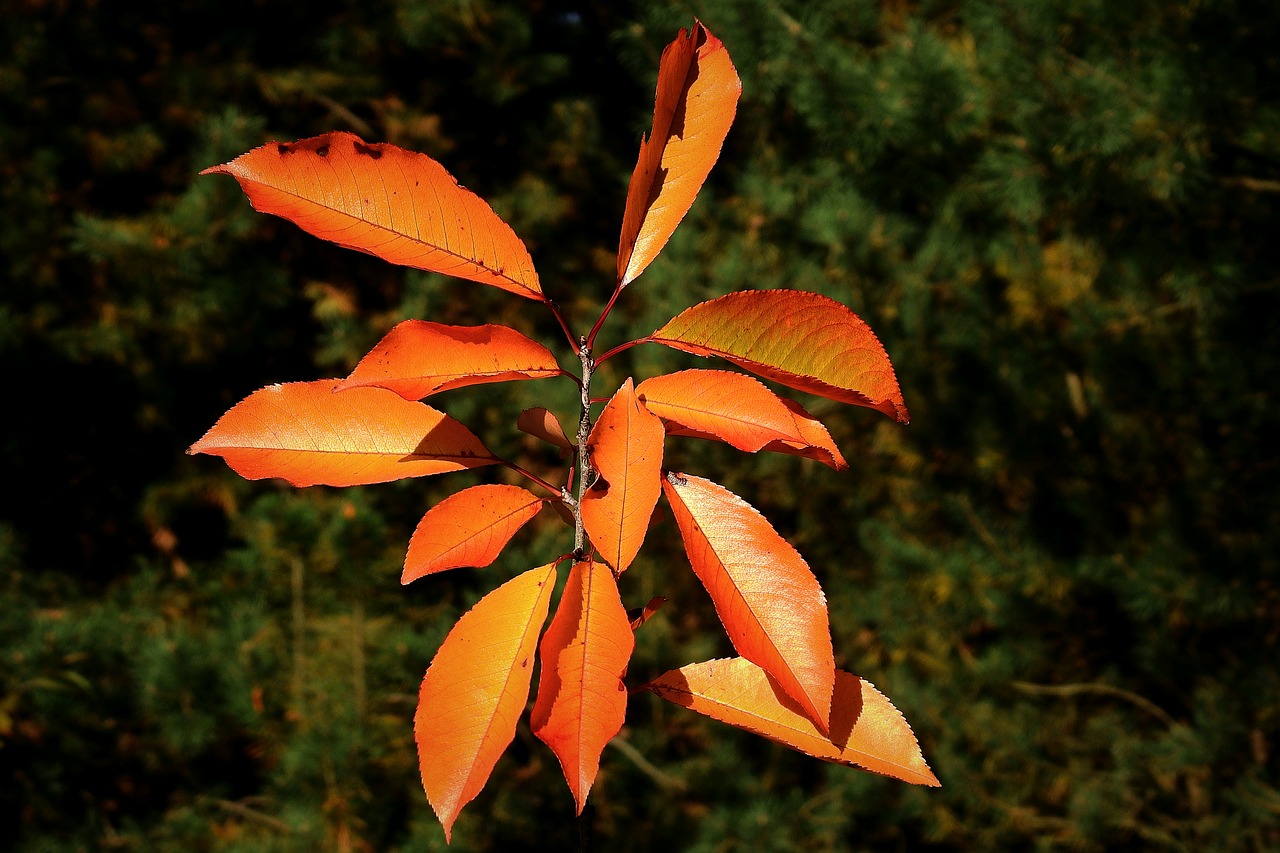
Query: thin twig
664, 780
1097, 690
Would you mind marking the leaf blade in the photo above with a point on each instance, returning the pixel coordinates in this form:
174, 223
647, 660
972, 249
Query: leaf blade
395, 204
867, 730
581, 700
804, 340
625, 448
469, 528
475, 690
738, 410
418, 358
694, 106
306, 434
767, 598
541, 423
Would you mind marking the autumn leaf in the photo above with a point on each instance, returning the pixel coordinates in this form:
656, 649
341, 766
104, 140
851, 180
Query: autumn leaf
866, 730
738, 410
540, 423
469, 528
637, 616
397, 205
803, 340
697, 97
418, 358
581, 698
764, 593
625, 448
475, 690
306, 434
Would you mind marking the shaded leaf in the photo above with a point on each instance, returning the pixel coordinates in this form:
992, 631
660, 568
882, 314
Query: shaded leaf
584, 654
540, 423
738, 410
308, 435
637, 616
867, 731
475, 690
694, 106
397, 205
419, 358
765, 595
469, 528
803, 340
625, 448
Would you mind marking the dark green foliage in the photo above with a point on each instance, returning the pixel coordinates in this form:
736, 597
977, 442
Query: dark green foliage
1060, 218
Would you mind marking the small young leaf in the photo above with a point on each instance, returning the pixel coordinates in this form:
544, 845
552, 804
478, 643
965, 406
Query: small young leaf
625, 447
803, 340
308, 435
765, 595
475, 690
419, 358
637, 616
469, 528
584, 654
866, 730
540, 423
697, 98
397, 205
738, 410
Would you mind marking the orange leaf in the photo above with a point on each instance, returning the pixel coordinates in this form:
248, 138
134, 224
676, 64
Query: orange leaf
475, 690
540, 423
738, 410
625, 448
419, 358
306, 434
764, 593
639, 615
581, 698
469, 528
866, 730
696, 100
803, 340
397, 205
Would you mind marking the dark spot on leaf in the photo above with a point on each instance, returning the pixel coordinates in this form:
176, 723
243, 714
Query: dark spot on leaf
323, 150
284, 148
524, 664
374, 151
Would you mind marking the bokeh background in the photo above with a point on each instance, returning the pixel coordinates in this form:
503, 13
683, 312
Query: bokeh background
1059, 217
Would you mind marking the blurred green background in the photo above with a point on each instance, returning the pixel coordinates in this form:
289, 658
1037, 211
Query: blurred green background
1061, 219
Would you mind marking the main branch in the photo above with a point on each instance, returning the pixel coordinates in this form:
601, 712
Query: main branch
584, 461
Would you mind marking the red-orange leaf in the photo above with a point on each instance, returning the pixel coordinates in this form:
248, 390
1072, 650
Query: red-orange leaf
764, 593
476, 689
639, 615
625, 447
697, 97
581, 698
308, 435
738, 410
419, 358
540, 423
866, 730
803, 340
398, 205
468, 529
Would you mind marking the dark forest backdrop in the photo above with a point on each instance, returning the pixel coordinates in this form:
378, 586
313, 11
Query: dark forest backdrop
1060, 217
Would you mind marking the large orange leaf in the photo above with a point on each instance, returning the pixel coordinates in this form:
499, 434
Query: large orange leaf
584, 654
398, 205
696, 100
419, 358
738, 410
764, 593
803, 340
475, 690
469, 528
308, 435
625, 448
866, 730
